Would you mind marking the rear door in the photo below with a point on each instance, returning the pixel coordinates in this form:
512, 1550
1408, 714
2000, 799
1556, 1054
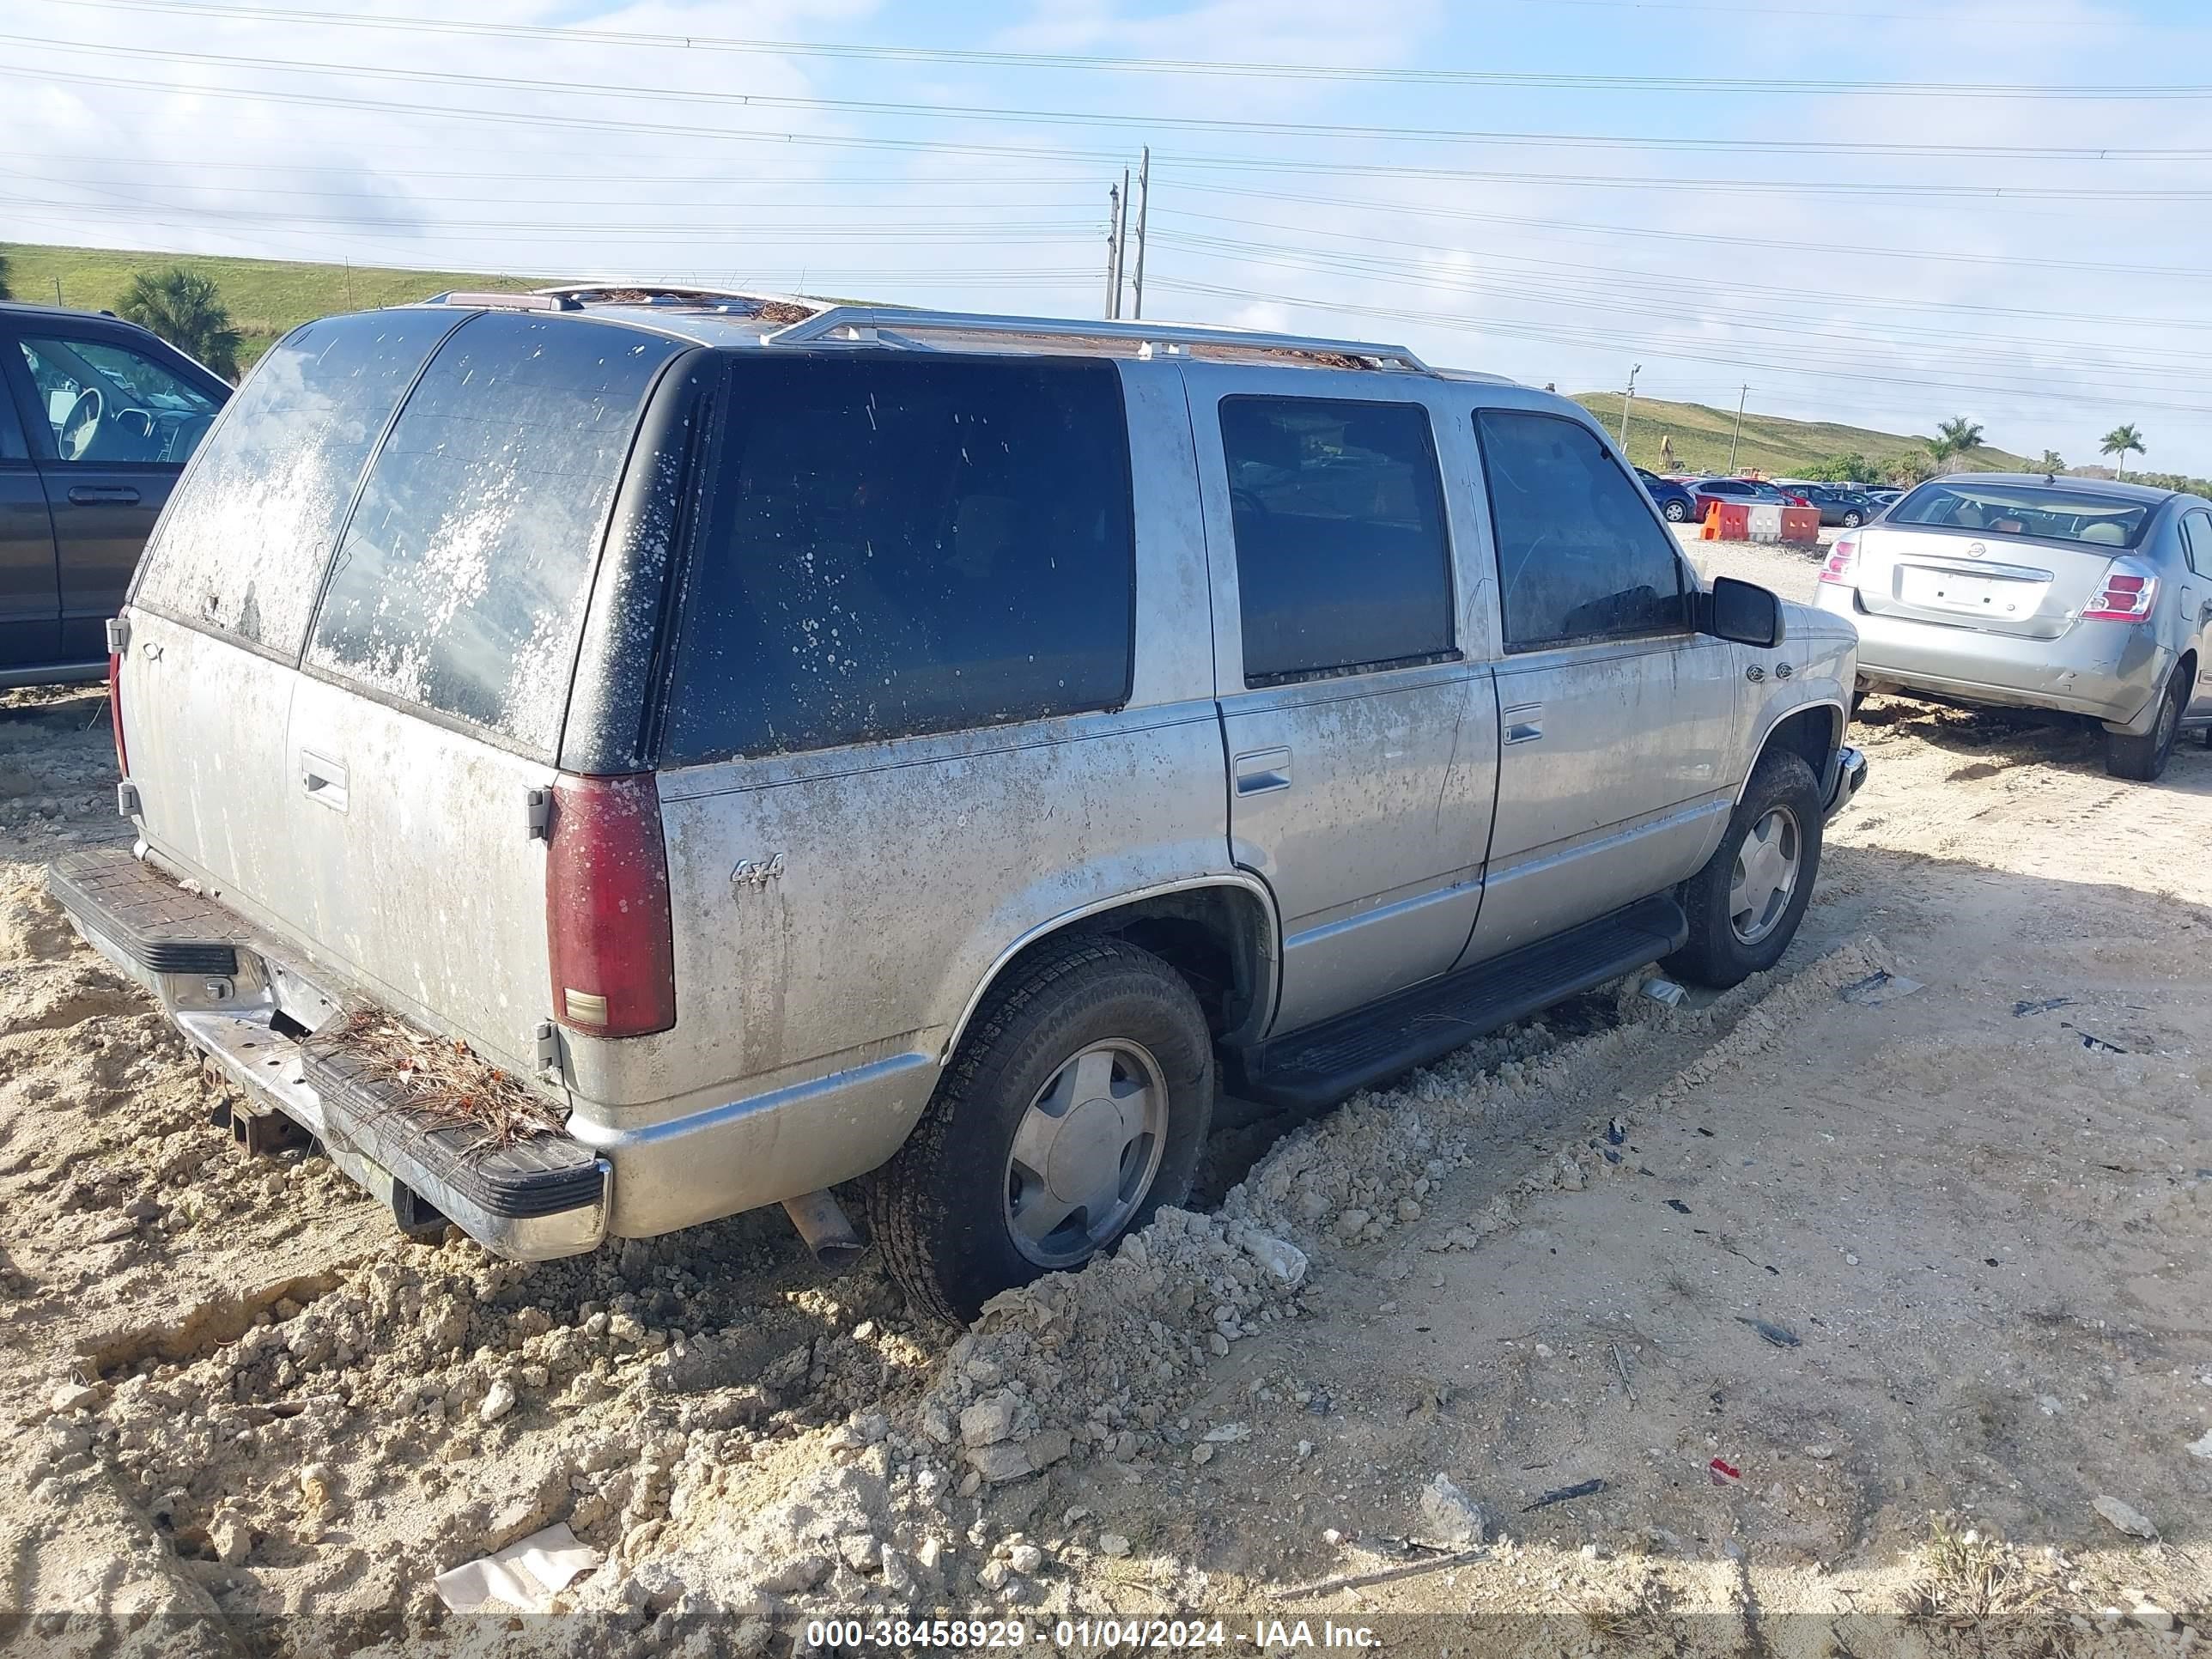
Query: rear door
2196, 604
30, 597
219, 612
1361, 739
120, 417
1618, 720
436, 675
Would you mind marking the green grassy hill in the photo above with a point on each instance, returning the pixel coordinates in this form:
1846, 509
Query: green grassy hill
1778, 447
267, 298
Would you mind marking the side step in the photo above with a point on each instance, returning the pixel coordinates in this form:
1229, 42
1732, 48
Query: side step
147, 916
1307, 1071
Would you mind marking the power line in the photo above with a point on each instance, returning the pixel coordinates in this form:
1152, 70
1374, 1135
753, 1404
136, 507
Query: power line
1099, 63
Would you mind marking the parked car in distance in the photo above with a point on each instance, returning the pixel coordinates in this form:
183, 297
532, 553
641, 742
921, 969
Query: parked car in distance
798, 745
2003, 590
1839, 506
1673, 501
1738, 491
97, 419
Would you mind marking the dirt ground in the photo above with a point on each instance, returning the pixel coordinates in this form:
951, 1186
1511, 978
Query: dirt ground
1829, 1315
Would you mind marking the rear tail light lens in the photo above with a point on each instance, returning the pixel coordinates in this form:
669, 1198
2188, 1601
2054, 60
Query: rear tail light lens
1843, 565
115, 711
607, 921
2126, 594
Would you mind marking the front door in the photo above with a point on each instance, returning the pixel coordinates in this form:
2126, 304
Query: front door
1361, 743
1617, 721
119, 426
2197, 606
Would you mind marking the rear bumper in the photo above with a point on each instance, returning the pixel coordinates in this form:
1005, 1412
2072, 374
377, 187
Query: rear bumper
2109, 671
226, 988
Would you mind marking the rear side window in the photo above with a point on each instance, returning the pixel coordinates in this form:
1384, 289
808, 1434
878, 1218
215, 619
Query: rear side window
463, 576
243, 546
2196, 542
12, 447
1341, 560
902, 545
1579, 555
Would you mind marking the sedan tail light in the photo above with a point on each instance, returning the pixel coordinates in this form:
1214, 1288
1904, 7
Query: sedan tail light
2126, 593
1843, 565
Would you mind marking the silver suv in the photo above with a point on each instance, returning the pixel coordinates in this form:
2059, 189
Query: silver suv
808, 742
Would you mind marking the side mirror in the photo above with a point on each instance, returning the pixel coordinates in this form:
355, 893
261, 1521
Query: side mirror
1744, 612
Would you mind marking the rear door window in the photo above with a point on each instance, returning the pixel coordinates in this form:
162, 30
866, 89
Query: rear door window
904, 545
249, 531
1579, 555
12, 445
461, 580
1341, 560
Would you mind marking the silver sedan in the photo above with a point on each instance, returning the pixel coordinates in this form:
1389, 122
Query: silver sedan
2024, 591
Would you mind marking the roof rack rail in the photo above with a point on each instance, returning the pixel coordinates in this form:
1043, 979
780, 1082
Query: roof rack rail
582, 291
502, 302
885, 323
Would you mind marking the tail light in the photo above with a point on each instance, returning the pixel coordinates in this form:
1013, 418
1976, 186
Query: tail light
2126, 594
115, 711
607, 921
1843, 565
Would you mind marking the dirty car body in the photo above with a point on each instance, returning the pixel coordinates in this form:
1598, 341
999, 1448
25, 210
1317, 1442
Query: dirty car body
805, 742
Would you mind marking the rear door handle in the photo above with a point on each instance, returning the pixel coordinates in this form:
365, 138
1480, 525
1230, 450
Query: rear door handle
103, 494
1524, 722
324, 779
1261, 770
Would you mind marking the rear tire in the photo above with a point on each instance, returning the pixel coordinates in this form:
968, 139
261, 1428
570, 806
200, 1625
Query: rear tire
1742, 919
2143, 760
949, 1209
1852, 520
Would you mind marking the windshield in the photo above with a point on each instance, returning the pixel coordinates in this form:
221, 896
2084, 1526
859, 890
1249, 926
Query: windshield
2048, 512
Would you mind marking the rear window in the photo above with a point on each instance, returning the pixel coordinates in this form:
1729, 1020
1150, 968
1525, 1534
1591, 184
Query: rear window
461, 582
901, 546
242, 548
2047, 512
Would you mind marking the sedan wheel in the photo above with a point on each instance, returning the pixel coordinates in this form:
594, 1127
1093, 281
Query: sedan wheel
1766, 877
1675, 512
1852, 522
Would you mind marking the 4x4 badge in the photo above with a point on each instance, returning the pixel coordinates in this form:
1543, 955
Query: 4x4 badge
757, 872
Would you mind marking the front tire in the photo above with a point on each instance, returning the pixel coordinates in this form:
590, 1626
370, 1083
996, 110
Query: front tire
1076, 1106
1744, 906
1676, 511
2143, 760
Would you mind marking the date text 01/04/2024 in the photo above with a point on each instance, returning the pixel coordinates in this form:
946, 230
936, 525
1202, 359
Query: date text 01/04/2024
1268, 1635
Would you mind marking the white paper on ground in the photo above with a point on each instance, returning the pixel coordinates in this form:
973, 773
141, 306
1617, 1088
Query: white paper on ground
526, 1575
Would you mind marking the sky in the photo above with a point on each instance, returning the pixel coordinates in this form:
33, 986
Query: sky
1880, 212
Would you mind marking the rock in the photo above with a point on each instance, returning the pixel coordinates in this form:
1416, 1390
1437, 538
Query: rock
636, 1261
1201, 1453
1025, 1558
930, 1553
498, 1402
230, 1538
1229, 1434
1408, 1211
1000, 1462
2202, 1448
2131, 1522
75, 1396
1112, 1543
1282, 1263
1592, 1552
861, 1551
1047, 1447
1570, 1174
2050, 1404
988, 1421
1218, 1343
801, 1573
937, 1423
2151, 1616
874, 1427
969, 1483
1821, 1452
142, 1209
1451, 1516
994, 1575
1350, 1223
319, 1486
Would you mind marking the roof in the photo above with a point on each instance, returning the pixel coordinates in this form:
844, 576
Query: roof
727, 317
2118, 491
71, 314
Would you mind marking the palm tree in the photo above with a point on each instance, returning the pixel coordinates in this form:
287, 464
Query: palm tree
1955, 437
185, 309
2119, 443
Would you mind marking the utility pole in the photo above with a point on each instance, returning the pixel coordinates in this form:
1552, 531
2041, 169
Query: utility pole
1121, 242
1113, 256
1738, 432
1626, 398
1144, 217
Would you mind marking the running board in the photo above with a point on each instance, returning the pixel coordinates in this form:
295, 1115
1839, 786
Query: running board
1307, 1071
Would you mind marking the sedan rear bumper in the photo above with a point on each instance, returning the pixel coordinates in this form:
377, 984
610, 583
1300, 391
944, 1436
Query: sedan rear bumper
2109, 671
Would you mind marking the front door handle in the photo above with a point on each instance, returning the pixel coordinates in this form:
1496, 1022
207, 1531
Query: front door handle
1261, 770
103, 496
324, 779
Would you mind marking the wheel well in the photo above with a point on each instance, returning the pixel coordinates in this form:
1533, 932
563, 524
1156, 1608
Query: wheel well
1219, 939
1813, 733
